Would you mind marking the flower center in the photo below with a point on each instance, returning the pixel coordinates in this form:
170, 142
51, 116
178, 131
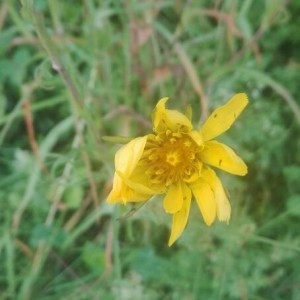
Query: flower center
171, 157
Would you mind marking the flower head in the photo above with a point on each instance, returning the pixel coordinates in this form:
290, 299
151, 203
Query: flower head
175, 161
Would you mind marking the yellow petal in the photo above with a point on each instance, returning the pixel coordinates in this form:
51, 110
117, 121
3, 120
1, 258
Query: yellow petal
223, 117
137, 185
131, 195
180, 218
115, 195
140, 177
128, 156
196, 137
123, 193
223, 204
126, 159
206, 201
164, 119
173, 199
223, 157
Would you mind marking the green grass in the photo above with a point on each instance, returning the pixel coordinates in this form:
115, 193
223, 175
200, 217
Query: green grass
71, 73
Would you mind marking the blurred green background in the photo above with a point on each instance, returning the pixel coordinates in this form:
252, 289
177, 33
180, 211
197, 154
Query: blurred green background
74, 71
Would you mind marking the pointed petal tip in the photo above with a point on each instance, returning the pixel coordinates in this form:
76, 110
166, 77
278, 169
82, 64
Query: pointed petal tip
162, 101
115, 196
208, 223
114, 200
224, 213
244, 172
171, 242
242, 96
226, 221
240, 99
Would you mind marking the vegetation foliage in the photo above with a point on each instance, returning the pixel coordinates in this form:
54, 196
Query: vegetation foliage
72, 72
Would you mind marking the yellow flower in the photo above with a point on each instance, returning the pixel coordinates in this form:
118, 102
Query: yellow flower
174, 160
